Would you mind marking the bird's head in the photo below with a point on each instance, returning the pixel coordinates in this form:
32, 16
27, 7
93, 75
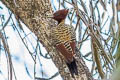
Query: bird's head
60, 15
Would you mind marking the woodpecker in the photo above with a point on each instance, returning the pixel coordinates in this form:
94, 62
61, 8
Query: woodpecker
64, 40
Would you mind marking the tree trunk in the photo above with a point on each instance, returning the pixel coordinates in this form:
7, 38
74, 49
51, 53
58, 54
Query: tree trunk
35, 14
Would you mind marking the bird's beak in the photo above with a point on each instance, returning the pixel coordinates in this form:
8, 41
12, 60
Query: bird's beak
50, 16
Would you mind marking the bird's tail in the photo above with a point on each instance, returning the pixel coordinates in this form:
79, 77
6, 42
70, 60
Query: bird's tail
72, 67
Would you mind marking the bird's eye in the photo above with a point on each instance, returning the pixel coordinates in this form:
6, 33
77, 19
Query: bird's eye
56, 14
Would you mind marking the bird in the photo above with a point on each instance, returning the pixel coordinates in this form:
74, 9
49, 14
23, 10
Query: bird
64, 40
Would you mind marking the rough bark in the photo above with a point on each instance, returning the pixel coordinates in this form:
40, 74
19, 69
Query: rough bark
35, 14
